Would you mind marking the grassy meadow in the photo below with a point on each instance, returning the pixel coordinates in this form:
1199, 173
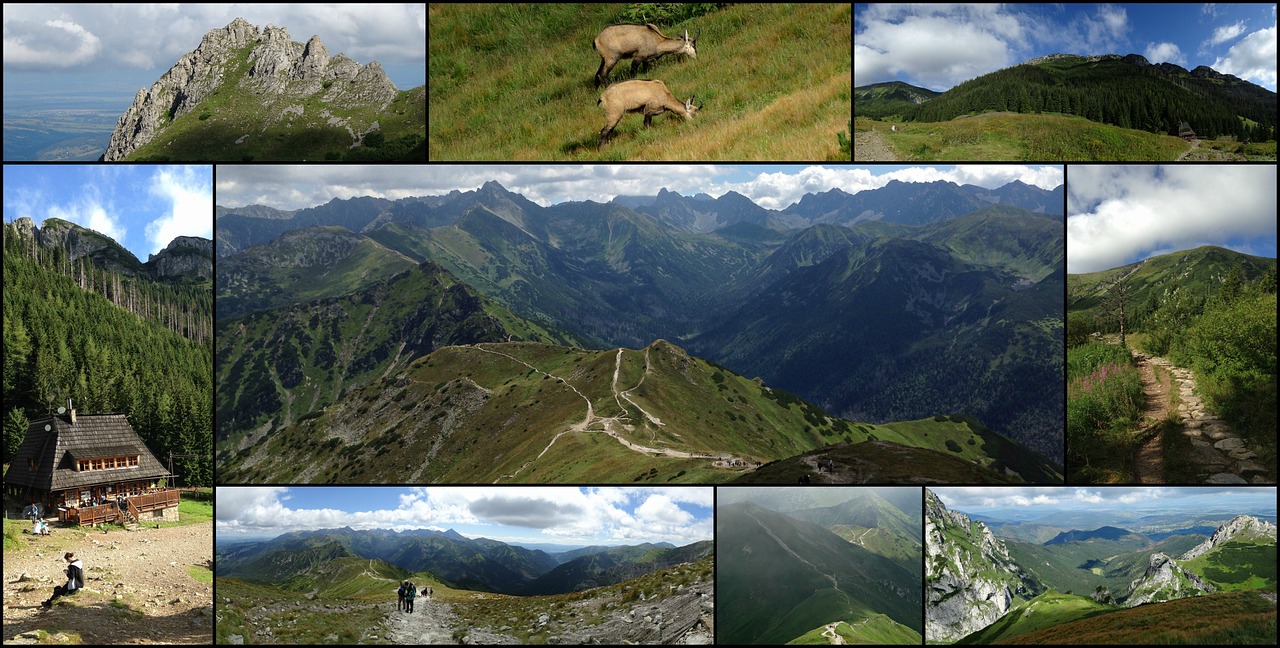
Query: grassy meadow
517, 82
1012, 136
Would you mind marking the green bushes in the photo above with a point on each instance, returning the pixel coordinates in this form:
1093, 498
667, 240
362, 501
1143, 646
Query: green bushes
665, 13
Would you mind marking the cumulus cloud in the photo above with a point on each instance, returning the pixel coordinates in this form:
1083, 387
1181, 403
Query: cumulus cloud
1253, 58
31, 44
1120, 214
936, 46
189, 192
609, 515
43, 36
1226, 32
89, 209
1164, 53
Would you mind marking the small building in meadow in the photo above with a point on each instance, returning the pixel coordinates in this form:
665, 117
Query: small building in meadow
1185, 132
78, 466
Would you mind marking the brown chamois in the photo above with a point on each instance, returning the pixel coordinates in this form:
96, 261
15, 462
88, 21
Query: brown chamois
650, 97
641, 44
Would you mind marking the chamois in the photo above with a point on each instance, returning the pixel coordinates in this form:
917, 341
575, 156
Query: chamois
650, 97
641, 44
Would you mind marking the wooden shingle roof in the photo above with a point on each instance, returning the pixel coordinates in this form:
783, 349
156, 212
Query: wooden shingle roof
57, 450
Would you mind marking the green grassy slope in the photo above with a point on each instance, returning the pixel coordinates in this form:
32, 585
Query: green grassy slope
1238, 565
890, 99
1217, 619
1014, 137
516, 412
876, 629
1198, 271
1044, 611
516, 82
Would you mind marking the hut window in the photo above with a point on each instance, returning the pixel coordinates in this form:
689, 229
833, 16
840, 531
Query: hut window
97, 464
133, 461
31, 462
82, 465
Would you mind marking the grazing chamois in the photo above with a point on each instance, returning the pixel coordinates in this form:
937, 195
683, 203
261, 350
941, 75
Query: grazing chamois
650, 97
641, 44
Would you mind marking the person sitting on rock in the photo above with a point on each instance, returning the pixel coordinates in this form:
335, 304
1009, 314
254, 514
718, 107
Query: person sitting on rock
75, 579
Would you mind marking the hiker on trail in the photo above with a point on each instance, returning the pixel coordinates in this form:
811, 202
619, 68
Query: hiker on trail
429, 592
831, 465
44, 528
408, 596
75, 579
401, 592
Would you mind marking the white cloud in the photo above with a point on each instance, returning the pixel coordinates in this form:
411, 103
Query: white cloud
989, 176
570, 514
91, 211
1253, 58
936, 46
1226, 32
41, 36
1164, 53
1117, 214
189, 191
31, 44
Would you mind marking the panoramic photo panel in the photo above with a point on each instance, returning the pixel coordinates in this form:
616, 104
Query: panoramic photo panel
215, 82
639, 324
108, 404
839, 565
1171, 324
465, 565
1114, 565
1065, 82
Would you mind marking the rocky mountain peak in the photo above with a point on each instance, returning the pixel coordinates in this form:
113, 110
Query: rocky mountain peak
1240, 525
280, 73
1165, 580
189, 257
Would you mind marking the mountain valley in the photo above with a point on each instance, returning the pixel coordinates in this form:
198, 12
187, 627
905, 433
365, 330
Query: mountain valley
800, 568
983, 589
964, 320
304, 587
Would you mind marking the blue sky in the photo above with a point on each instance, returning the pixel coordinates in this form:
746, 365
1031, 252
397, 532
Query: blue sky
1120, 214
940, 45
1254, 500
142, 207
112, 50
295, 187
564, 515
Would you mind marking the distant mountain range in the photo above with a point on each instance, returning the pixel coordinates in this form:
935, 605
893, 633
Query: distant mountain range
983, 590
1126, 91
901, 303
475, 564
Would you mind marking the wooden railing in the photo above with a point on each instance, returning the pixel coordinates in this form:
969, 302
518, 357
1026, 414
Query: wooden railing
90, 515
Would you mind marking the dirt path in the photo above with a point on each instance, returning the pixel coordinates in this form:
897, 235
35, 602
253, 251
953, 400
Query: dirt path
1195, 144
1148, 461
869, 146
145, 570
610, 424
829, 631
1218, 454
430, 623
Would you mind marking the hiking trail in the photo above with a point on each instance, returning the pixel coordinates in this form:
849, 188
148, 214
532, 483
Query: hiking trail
430, 623
1220, 456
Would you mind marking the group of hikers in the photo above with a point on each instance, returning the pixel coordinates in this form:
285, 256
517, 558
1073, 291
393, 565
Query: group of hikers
407, 592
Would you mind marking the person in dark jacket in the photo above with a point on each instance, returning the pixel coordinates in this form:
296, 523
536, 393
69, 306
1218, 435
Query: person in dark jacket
75, 579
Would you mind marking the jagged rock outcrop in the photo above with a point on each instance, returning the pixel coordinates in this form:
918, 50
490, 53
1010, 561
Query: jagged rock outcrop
186, 257
1245, 527
1165, 580
970, 579
265, 63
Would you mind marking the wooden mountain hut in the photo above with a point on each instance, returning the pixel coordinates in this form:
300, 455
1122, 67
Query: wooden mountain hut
1185, 132
79, 466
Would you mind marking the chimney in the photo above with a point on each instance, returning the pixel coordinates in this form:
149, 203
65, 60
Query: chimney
71, 412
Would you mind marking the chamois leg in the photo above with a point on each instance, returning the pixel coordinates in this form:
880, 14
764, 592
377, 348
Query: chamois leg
610, 122
602, 74
648, 119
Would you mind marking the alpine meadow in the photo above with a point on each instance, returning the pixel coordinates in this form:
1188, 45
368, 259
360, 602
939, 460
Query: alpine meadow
517, 82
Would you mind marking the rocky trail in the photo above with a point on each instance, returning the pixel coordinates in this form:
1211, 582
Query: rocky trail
870, 146
1220, 456
137, 587
430, 623
829, 632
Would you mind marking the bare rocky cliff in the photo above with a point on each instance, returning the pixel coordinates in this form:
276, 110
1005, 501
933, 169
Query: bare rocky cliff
1245, 526
266, 64
970, 579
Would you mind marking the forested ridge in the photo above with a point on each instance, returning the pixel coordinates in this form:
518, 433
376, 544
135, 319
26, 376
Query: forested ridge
1154, 98
111, 344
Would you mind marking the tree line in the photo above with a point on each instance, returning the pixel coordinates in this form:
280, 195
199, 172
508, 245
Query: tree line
112, 346
1129, 96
